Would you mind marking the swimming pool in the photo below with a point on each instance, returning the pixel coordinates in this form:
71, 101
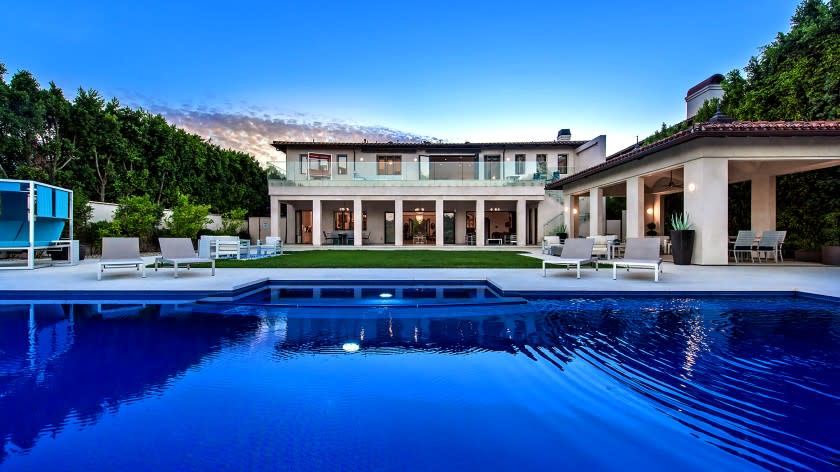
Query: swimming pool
597, 383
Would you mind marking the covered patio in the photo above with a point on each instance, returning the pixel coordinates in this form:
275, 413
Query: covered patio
699, 164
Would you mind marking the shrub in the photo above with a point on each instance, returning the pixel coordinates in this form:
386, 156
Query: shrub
135, 216
232, 221
187, 218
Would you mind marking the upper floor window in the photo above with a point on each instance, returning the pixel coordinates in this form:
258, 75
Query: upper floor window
563, 163
520, 163
388, 165
302, 163
319, 165
541, 166
493, 167
341, 161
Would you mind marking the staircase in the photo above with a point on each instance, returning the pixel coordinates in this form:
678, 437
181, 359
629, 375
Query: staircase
558, 219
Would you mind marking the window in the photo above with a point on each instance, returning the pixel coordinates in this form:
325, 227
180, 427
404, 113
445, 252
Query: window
343, 220
520, 163
493, 167
563, 163
388, 165
541, 160
342, 164
319, 166
302, 163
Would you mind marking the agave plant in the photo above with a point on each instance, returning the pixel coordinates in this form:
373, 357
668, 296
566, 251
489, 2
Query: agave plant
680, 221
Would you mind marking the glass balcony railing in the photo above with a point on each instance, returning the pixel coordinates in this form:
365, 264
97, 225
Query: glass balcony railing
324, 173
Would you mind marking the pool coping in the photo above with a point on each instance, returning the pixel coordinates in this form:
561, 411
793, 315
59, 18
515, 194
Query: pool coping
238, 290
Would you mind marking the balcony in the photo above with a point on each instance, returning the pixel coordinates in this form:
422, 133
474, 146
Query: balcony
413, 173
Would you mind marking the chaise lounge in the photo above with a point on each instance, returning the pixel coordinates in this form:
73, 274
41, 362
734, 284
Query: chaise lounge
641, 253
180, 251
120, 252
575, 252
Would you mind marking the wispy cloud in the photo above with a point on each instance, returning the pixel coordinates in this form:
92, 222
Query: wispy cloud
254, 129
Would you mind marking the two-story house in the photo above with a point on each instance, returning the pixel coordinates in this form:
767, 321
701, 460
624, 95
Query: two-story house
423, 193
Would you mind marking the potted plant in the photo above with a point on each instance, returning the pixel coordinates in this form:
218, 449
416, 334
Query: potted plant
682, 238
561, 232
831, 234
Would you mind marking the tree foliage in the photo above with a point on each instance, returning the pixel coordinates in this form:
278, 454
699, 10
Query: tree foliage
105, 150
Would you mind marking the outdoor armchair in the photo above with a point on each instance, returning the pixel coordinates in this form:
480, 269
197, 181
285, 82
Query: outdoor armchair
575, 252
640, 253
120, 252
180, 252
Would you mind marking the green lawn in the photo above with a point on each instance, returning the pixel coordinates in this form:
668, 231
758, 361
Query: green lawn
409, 259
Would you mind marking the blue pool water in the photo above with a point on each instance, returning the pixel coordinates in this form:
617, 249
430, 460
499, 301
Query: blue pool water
596, 384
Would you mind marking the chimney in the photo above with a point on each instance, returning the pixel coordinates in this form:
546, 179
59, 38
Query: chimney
705, 90
564, 134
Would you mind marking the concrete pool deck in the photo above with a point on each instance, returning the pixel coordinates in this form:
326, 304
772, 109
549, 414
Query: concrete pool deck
768, 277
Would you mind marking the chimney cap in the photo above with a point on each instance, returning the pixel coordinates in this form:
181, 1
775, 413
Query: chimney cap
565, 134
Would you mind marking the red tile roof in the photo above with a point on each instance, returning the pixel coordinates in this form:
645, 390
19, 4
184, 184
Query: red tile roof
699, 130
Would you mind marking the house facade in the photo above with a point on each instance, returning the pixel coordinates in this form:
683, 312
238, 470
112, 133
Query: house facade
421, 194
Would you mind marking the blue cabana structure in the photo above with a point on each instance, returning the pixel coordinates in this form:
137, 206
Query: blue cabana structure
33, 216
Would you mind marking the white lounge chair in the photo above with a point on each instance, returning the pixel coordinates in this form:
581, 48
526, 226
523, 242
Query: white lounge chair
180, 252
575, 252
120, 252
640, 253
743, 244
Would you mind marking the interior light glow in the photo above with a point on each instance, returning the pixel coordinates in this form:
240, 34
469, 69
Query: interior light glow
350, 347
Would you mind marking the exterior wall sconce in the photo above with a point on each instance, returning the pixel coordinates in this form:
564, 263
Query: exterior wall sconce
574, 211
692, 187
649, 211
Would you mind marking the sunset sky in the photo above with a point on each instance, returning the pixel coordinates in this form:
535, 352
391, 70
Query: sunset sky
244, 73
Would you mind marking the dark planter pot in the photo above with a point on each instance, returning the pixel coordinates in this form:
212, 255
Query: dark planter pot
682, 245
831, 255
808, 255
563, 235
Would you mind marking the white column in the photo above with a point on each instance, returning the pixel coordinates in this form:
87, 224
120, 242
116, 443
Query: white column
398, 222
521, 222
708, 209
357, 222
596, 212
316, 222
763, 204
635, 207
479, 222
275, 217
439, 222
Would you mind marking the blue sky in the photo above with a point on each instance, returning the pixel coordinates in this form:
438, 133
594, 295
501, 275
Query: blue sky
480, 71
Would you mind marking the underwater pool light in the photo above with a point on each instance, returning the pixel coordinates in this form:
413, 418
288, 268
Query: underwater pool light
350, 347
385, 295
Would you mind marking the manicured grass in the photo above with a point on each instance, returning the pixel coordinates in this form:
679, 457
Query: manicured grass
409, 259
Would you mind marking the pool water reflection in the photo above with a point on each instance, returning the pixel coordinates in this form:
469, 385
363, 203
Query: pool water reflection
595, 383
